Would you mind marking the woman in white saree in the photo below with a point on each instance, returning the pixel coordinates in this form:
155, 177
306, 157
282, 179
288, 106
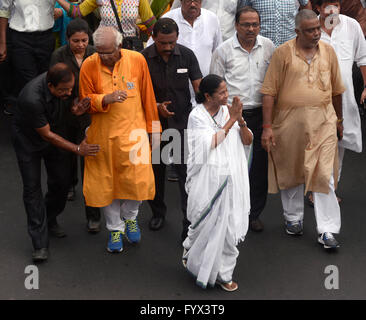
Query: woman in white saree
217, 185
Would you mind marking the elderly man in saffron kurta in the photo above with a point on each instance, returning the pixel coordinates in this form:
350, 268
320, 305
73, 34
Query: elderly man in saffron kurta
302, 100
122, 101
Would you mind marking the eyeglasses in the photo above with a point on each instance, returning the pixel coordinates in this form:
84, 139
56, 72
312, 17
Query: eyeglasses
190, 1
248, 25
107, 53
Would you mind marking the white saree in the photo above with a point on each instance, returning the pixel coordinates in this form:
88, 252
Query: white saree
218, 197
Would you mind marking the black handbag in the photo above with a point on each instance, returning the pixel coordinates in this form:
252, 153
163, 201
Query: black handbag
130, 43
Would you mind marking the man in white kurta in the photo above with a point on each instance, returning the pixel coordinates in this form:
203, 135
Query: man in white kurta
225, 9
347, 39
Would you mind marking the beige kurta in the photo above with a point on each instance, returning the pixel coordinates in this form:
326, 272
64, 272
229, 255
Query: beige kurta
304, 120
111, 174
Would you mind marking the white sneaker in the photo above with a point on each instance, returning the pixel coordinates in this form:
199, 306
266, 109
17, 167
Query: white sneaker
328, 241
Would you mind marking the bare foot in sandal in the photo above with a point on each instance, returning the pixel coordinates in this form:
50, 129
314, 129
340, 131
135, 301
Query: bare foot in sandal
230, 286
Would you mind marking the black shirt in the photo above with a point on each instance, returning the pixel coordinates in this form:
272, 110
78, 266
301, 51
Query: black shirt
171, 82
37, 107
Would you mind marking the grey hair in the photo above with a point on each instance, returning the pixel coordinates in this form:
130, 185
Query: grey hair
99, 35
304, 14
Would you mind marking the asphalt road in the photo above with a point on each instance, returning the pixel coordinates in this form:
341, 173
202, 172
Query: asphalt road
271, 265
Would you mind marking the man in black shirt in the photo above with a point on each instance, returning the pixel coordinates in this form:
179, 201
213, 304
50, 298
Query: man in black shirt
171, 67
38, 133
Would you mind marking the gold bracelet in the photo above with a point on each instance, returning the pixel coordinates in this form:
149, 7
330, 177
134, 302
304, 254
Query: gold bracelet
340, 120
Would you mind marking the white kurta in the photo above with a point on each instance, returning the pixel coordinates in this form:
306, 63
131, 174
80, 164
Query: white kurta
349, 43
218, 197
224, 9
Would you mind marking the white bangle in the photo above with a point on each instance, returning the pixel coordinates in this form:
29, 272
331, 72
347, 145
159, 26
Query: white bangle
79, 148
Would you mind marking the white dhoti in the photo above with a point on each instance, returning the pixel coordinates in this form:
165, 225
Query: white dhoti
326, 207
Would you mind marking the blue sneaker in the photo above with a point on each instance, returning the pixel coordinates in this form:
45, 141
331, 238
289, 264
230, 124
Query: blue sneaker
294, 228
115, 242
133, 233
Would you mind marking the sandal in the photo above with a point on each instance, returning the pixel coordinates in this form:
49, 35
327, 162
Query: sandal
184, 259
229, 286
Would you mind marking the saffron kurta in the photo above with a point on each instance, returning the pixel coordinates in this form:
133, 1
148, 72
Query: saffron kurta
111, 174
304, 120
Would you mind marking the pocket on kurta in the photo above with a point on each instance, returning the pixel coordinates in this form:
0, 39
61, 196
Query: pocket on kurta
131, 88
345, 50
324, 80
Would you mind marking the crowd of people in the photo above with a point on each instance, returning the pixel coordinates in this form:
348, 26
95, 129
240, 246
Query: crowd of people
244, 97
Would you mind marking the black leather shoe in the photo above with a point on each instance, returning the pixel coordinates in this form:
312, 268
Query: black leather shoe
55, 230
40, 255
256, 225
93, 226
156, 223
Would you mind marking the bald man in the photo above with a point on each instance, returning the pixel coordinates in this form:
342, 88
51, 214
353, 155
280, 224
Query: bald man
302, 115
224, 9
123, 110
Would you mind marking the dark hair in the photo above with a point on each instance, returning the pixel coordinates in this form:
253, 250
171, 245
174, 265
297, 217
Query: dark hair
209, 84
321, 2
60, 72
244, 10
77, 25
165, 26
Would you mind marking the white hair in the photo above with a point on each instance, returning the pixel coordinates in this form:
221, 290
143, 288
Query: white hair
99, 35
304, 14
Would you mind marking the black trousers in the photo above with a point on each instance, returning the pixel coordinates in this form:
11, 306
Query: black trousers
30, 54
91, 213
7, 78
41, 210
258, 174
158, 205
